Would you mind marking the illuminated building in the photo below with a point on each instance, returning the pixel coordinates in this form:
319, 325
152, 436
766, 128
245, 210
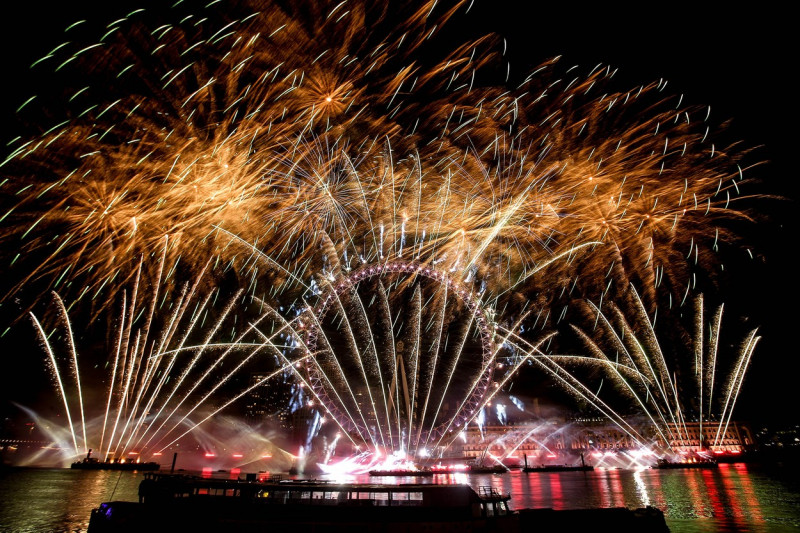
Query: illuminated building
687, 437
511, 441
267, 401
555, 437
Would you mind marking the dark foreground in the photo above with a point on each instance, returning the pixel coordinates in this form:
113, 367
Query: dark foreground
728, 499
184, 503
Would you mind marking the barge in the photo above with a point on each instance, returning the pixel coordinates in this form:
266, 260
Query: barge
425, 472
667, 464
583, 467
188, 503
94, 464
487, 469
558, 468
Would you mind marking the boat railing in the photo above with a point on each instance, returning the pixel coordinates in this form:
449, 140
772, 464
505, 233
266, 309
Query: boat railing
488, 492
493, 502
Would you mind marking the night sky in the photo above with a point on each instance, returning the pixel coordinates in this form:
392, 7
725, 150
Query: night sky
738, 62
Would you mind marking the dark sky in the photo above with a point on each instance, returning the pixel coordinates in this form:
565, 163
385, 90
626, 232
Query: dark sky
737, 61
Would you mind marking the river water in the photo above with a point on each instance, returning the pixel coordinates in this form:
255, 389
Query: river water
736, 497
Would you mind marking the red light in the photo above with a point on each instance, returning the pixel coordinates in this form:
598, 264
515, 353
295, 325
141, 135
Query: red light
157, 453
449, 468
209, 454
736, 451
133, 453
552, 455
718, 452
238, 455
267, 456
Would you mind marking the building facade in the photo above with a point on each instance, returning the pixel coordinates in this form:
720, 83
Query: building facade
552, 439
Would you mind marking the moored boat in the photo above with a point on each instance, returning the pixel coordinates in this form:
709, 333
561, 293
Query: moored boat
189, 503
94, 464
583, 467
401, 472
173, 502
487, 469
702, 463
558, 468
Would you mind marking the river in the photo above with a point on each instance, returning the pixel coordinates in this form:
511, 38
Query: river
734, 497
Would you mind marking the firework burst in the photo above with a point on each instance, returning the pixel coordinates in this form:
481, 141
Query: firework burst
337, 131
289, 149
671, 389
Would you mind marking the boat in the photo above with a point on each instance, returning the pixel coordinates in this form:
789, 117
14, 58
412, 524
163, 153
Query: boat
190, 503
93, 463
487, 469
401, 472
481, 466
558, 468
583, 467
175, 502
702, 463
90, 463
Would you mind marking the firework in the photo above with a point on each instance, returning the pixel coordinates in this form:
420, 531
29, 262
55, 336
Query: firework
400, 217
164, 368
338, 132
670, 389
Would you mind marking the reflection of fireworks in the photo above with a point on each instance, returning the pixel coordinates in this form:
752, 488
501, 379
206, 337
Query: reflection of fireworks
335, 131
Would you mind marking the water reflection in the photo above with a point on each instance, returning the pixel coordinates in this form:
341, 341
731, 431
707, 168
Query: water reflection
59, 499
641, 488
730, 498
